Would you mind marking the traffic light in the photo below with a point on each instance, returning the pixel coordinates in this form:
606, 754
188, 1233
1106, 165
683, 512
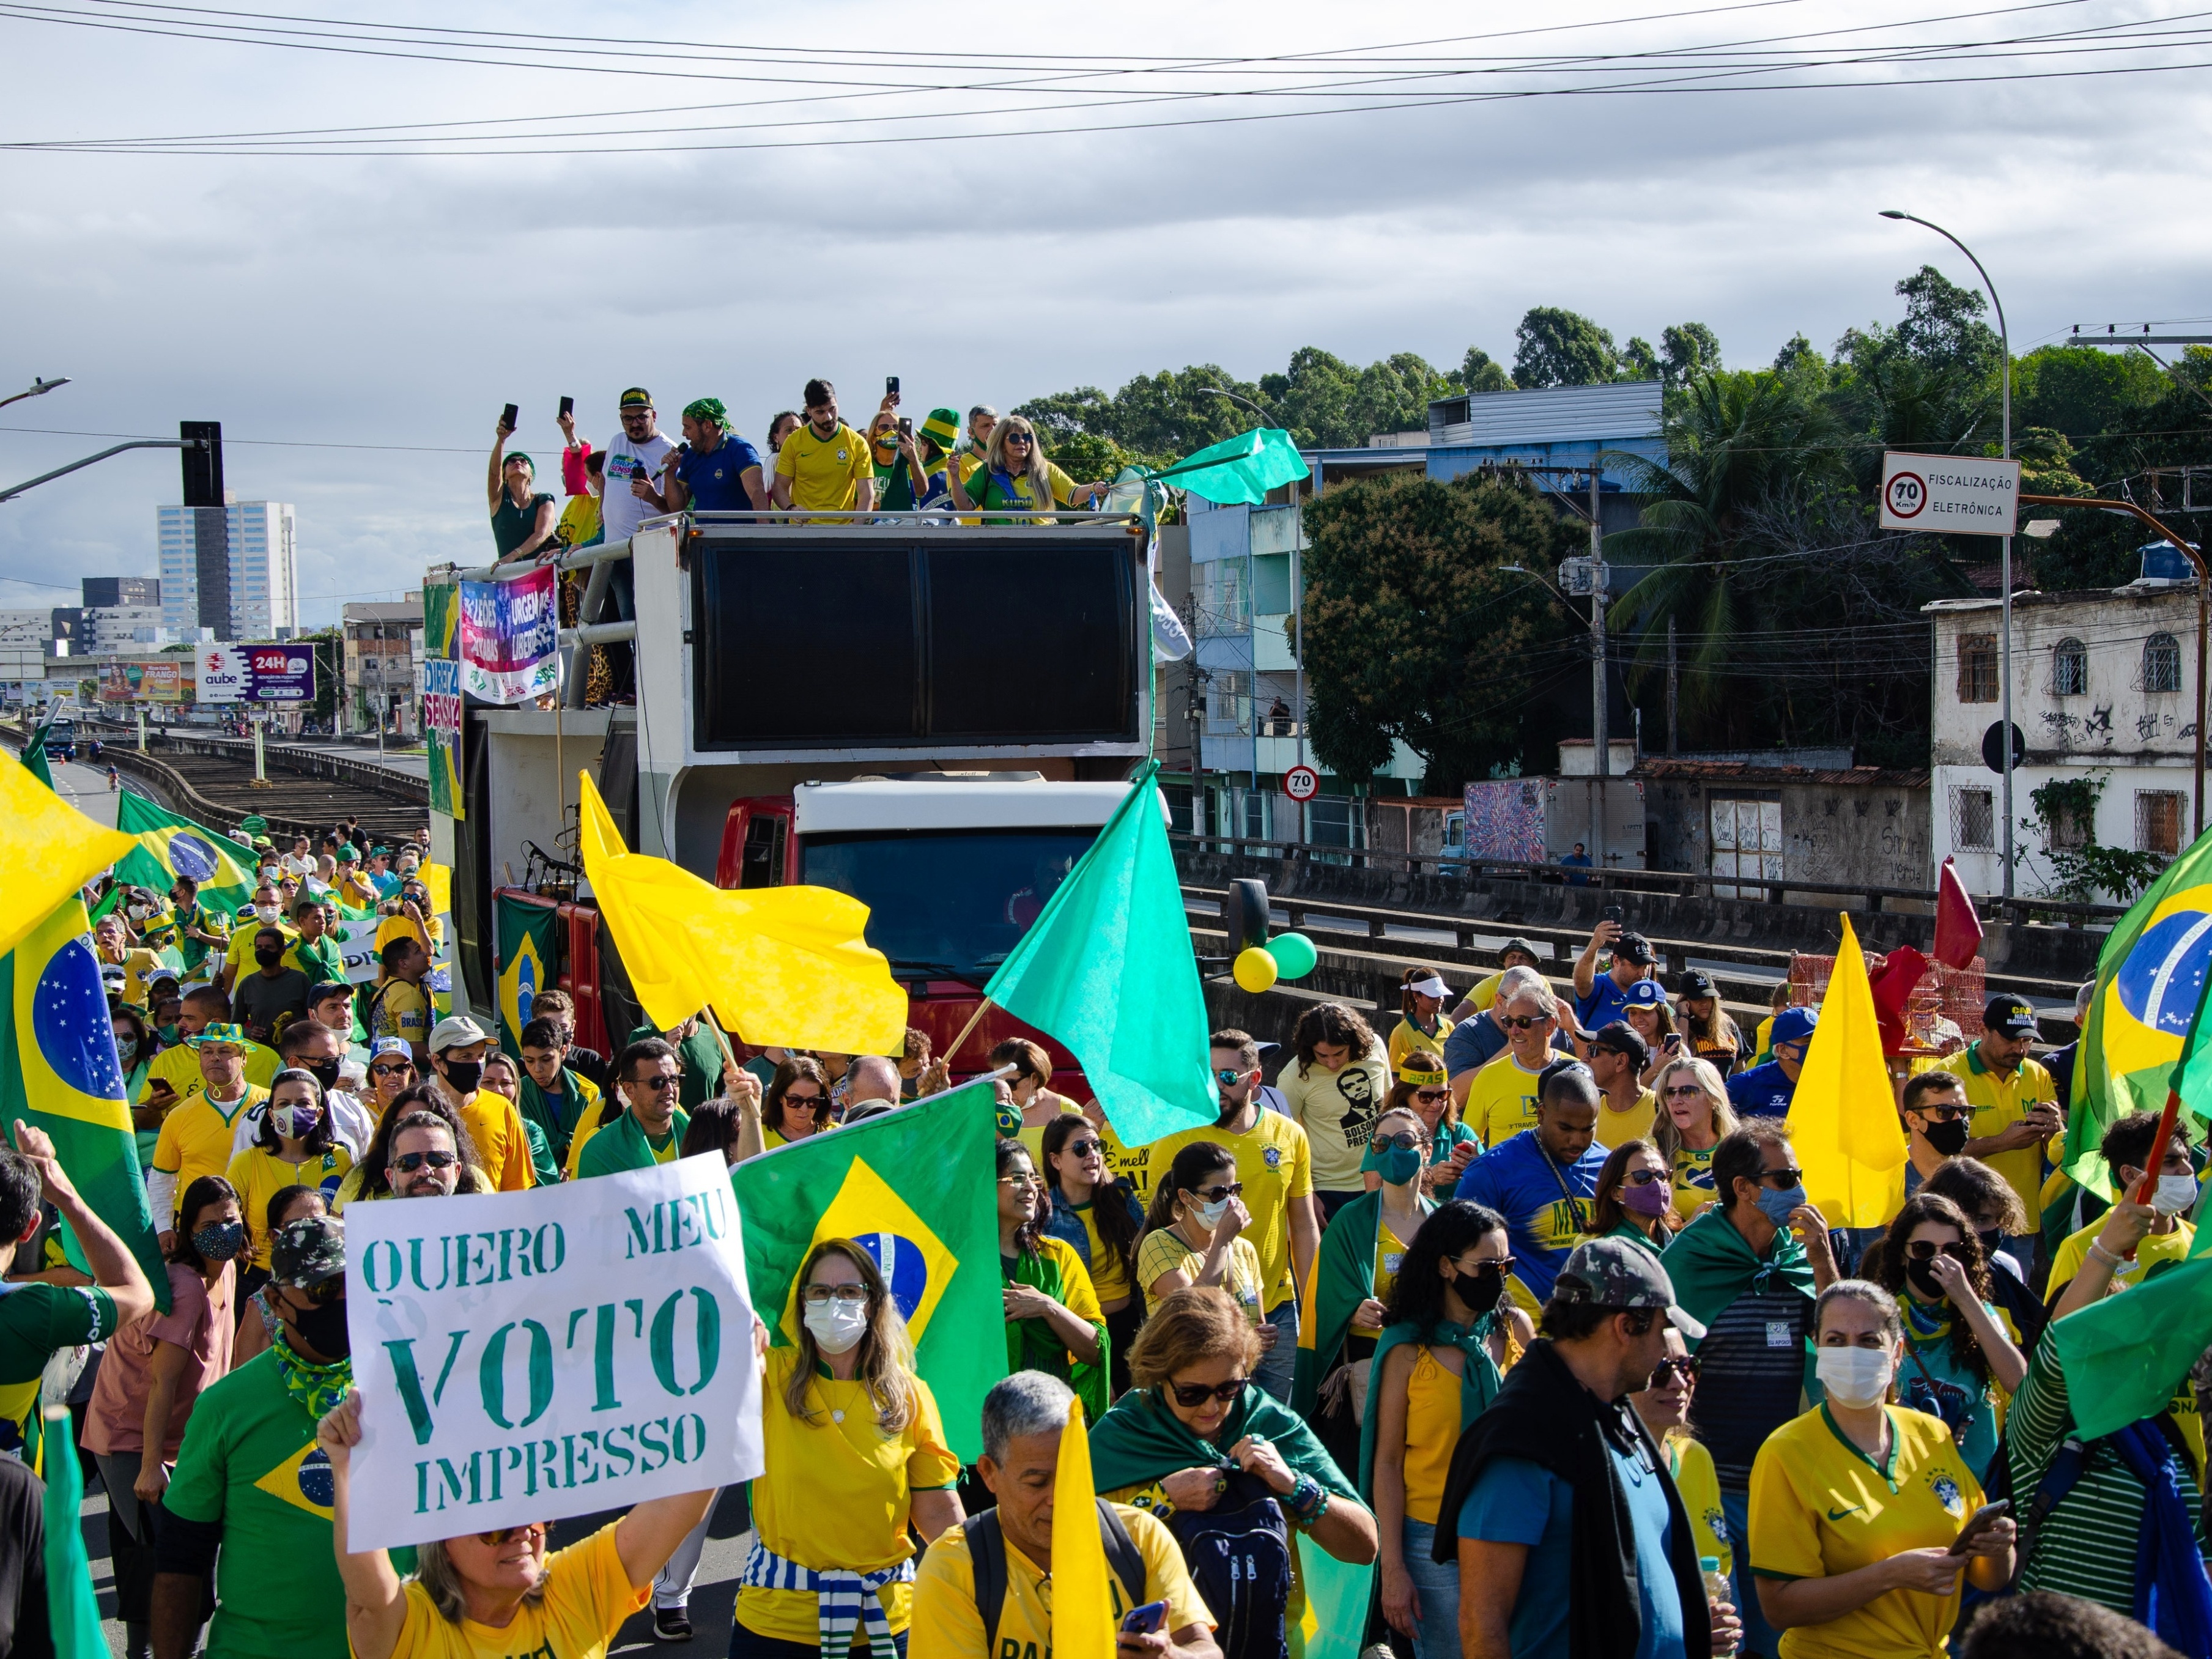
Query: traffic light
203, 462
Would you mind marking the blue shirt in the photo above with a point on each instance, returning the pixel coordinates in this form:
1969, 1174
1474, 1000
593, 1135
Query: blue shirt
1607, 1002
1580, 861
717, 481
1518, 1502
1547, 1208
1762, 1092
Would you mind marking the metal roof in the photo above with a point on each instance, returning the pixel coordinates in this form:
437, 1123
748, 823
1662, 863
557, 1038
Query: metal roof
1565, 413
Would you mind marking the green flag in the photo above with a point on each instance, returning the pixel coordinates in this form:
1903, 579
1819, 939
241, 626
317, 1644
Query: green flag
529, 960
72, 1609
2150, 978
1243, 468
918, 1189
170, 846
2127, 1355
58, 1073
1336, 1605
1108, 969
34, 753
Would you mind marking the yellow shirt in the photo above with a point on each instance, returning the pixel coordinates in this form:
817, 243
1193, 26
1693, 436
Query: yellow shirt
259, 1176
1432, 1429
1389, 1256
196, 1139
502, 1145
1274, 1160
239, 957
1998, 1103
139, 967
1107, 1276
948, 1625
1821, 1508
1485, 991
1031, 1135
402, 1011
1501, 1102
1164, 1251
587, 1597
1617, 1128
180, 1067
1693, 1180
825, 473
1409, 1037
1700, 1486
391, 927
836, 1491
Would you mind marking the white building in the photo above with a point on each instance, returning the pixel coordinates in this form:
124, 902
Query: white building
234, 569
2104, 690
119, 628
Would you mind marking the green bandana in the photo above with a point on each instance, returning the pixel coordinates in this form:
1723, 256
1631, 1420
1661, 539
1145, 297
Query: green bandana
318, 1388
1711, 1265
707, 409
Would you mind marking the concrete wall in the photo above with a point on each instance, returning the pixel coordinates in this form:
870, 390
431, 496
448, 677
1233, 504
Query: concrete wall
1844, 833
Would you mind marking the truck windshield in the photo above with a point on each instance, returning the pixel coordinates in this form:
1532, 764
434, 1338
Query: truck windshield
952, 902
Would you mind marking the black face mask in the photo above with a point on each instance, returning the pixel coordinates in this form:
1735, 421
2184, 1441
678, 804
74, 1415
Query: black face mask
1481, 1290
464, 1075
1922, 1275
1990, 1241
269, 958
323, 1327
1948, 1138
324, 1073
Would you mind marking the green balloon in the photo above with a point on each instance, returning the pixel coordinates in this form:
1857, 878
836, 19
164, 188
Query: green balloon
1294, 955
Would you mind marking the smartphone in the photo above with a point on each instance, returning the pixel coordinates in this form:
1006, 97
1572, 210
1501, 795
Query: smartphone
906, 426
1979, 1521
507, 418
1611, 912
1674, 1042
567, 406
1146, 1620
890, 386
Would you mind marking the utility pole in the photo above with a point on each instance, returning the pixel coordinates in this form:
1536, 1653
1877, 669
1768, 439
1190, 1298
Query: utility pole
1672, 677
1597, 669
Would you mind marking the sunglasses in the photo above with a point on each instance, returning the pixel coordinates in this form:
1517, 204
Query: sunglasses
1524, 1022
1229, 1079
1430, 1096
802, 1100
1080, 1148
1680, 1091
399, 1070
1945, 1114
408, 1163
499, 1535
1781, 1180
1022, 438
1684, 1366
1503, 1263
1643, 1177
1197, 1393
1216, 1194
821, 1295
659, 1085
1922, 1249
1404, 1140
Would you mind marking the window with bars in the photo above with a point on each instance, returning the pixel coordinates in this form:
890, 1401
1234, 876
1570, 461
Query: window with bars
1974, 820
1228, 704
2161, 670
2070, 669
1977, 669
1223, 597
2158, 821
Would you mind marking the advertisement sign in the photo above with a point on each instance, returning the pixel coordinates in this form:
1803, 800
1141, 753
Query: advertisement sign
1962, 496
605, 1333
280, 673
441, 733
510, 638
223, 673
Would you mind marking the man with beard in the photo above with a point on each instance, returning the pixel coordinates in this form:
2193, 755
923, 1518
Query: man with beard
424, 1163
1274, 1161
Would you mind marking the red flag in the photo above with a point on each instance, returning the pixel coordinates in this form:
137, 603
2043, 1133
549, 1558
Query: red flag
1958, 929
1892, 982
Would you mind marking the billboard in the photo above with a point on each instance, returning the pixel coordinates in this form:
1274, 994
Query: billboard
279, 673
169, 681
222, 673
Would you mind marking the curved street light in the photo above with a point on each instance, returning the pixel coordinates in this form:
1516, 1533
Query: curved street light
39, 388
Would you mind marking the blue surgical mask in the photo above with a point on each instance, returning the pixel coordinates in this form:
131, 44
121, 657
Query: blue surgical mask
1778, 1207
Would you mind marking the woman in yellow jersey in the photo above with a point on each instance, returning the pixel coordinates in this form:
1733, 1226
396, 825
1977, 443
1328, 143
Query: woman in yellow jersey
1422, 1088
1194, 1232
1693, 1116
1033, 1095
1665, 1408
295, 1147
797, 1102
390, 1074
485, 1594
1053, 1320
855, 1451
1097, 1215
1862, 1512
1635, 1198
1421, 998
1450, 1337
1015, 474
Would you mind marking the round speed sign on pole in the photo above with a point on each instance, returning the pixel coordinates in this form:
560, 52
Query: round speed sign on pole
1302, 783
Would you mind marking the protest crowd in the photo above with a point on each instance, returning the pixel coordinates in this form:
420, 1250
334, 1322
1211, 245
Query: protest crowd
1513, 1312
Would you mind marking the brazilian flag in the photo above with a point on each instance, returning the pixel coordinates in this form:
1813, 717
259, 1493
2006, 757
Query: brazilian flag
917, 1189
528, 963
170, 846
58, 1073
2151, 975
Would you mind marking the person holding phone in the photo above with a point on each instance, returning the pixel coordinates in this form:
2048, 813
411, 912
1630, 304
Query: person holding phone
521, 517
1864, 1516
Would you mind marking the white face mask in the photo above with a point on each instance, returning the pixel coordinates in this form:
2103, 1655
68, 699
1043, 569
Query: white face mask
1858, 1378
837, 1326
266, 912
1210, 1215
2176, 1193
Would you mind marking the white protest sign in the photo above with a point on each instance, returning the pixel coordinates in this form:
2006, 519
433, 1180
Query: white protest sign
526, 1356
1963, 495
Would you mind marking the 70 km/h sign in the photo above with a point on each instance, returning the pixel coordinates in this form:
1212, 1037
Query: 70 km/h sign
1960, 495
1302, 783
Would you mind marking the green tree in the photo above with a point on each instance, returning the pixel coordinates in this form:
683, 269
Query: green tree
1481, 372
1639, 361
329, 645
1686, 350
1414, 631
1554, 347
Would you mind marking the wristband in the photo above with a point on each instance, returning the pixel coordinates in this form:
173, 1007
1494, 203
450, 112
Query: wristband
2097, 1250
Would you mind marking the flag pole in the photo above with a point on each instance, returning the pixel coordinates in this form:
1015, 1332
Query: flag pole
974, 1020
2147, 1189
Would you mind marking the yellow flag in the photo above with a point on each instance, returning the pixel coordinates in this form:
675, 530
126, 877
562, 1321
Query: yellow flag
48, 849
785, 966
1082, 1605
1843, 1120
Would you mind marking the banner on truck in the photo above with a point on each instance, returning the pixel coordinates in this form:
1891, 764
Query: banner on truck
510, 637
441, 734
530, 1356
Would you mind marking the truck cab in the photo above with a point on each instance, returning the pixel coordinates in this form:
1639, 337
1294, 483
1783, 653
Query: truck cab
934, 718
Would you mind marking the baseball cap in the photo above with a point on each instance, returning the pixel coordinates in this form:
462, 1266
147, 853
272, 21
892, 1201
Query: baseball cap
1634, 948
2012, 1016
306, 1251
1516, 943
1645, 994
1697, 983
384, 1045
1623, 1039
1430, 986
1792, 1026
347, 856
1612, 1272
456, 1031
637, 397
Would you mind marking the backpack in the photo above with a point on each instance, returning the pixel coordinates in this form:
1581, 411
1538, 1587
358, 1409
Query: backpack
986, 1551
1239, 1556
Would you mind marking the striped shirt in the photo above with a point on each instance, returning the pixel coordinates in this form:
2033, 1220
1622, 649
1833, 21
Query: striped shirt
2086, 1546
1751, 1374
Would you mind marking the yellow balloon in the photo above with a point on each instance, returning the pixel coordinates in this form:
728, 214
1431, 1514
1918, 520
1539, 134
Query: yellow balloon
1254, 970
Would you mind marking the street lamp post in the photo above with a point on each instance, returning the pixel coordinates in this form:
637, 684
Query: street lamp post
2004, 657
37, 388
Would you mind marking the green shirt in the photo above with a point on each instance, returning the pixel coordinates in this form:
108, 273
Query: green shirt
511, 524
249, 1462
321, 961
623, 1145
701, 1057
35, 1321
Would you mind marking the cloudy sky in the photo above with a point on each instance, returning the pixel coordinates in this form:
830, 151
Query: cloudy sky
356, 316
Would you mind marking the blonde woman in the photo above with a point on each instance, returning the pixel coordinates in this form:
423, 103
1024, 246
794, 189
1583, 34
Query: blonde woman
1015, 474
1693, 1116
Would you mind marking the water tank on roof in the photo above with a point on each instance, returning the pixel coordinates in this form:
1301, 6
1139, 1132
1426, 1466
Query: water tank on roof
2162, 562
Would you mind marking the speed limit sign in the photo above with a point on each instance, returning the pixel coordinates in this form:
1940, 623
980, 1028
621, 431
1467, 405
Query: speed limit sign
1302, 783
